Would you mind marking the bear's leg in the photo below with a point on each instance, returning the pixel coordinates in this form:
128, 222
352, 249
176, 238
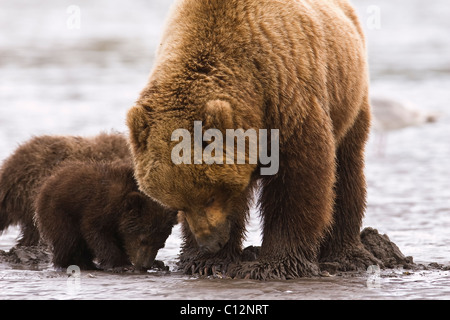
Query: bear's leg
107, 248
343, 245
5, 220
193, 260
77, 254
296, 205
70, 249
62, 233
29, 235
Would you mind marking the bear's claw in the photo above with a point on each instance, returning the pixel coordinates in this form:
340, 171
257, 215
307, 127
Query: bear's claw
206, 269
273, 270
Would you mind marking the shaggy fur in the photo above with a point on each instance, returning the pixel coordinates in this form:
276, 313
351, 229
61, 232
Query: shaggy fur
26, 169
296, 65
88, 211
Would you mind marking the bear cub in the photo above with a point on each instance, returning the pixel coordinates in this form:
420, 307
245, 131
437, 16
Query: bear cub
23, 173
90, 211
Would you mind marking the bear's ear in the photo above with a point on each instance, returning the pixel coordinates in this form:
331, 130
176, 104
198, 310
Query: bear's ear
138, 122
218, 115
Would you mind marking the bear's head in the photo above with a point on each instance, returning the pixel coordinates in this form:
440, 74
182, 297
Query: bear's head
206, 191
145, 227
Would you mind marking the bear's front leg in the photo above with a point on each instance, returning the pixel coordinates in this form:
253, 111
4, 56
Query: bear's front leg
107, 249
342, 247
296, 206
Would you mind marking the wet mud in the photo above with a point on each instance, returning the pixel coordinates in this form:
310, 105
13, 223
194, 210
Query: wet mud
40, 257
385, 250
33, 257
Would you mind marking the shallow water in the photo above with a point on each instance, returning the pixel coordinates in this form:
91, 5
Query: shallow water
57, 80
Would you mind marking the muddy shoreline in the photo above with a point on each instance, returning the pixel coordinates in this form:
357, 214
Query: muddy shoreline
390, 255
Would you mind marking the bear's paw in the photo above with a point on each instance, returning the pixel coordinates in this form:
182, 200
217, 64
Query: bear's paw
278, 270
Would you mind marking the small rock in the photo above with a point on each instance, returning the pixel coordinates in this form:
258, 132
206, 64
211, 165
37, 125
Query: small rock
435, 265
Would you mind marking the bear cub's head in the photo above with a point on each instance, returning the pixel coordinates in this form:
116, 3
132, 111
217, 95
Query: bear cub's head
144, 228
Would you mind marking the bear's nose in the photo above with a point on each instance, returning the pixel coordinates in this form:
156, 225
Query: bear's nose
209, 246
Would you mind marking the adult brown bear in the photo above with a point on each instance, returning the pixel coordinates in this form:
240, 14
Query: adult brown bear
298, 66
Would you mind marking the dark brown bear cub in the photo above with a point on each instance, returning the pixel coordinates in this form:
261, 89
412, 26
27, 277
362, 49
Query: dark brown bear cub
90, 211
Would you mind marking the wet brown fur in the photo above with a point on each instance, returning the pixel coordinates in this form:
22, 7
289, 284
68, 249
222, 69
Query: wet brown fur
296, 65
26, 169
94, 211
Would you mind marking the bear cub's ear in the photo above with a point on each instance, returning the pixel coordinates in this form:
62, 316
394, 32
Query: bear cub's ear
136, 201
218, 115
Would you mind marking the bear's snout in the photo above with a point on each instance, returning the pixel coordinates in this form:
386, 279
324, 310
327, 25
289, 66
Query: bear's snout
210, 232
214, 240
145, 257
209, 245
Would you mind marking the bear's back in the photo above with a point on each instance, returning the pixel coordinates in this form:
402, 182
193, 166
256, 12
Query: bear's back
289, 53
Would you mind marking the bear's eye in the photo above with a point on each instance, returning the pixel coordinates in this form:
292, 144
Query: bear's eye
210, 202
